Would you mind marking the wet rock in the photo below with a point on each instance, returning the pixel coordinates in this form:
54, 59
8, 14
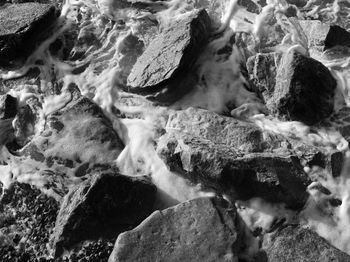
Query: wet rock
27, 218
23, 27
8, 107
170, 57
322, 36
304, 90
76, 134
182, 233
271, 176
262, 70
102, 207
294, 243
240, 135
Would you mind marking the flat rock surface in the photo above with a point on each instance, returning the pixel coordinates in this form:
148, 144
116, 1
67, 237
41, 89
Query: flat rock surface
171, 53
293, 243
181, 233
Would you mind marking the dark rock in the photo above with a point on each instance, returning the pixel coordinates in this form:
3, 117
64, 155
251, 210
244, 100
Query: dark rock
294, 243
270, 176
250, 6
27, 218
304, 90
8, 107
337, 36
182, 233
23, 26
170, 57
102, 207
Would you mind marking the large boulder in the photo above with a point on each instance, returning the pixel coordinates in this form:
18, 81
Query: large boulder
304, 90
198, 230
102, 207
169, 58
294, 243
271, 176
23, 26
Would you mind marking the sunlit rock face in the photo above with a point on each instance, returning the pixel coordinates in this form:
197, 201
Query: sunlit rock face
294, 243
23, 26
197, 130
181, 232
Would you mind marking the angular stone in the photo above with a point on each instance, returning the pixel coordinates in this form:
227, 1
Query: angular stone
262, 69
294, 243
271, 176
198, 230
304, 90
23, 26
8, 107
169, 58
78, 133
102, 207
242, 136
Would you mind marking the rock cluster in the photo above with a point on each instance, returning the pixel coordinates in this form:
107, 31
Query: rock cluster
66, 195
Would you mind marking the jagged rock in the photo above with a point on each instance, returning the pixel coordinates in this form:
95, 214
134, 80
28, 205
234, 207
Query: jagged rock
323, 36
27, 218
23, 26
77, 134
170, 57
273, 177
102, 207
304, 90
182, 233
294, 243
262, 70
240, 135
8, 107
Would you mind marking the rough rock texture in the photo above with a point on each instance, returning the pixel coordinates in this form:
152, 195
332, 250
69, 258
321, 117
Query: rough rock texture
270, 176
27, 218
230, 155
182, 233
169, 57
102, 207
23, 26
304, 90
74, 138
293, 243
262, 70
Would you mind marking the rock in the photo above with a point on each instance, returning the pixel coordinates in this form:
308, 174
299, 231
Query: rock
304, 90
8, 107
240, 135
170, 57
23, 27
271, 176
323, 36
337, 36
262, 70
27, 218
102, 207
198, 230
250, 5
294, 243
78, 133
